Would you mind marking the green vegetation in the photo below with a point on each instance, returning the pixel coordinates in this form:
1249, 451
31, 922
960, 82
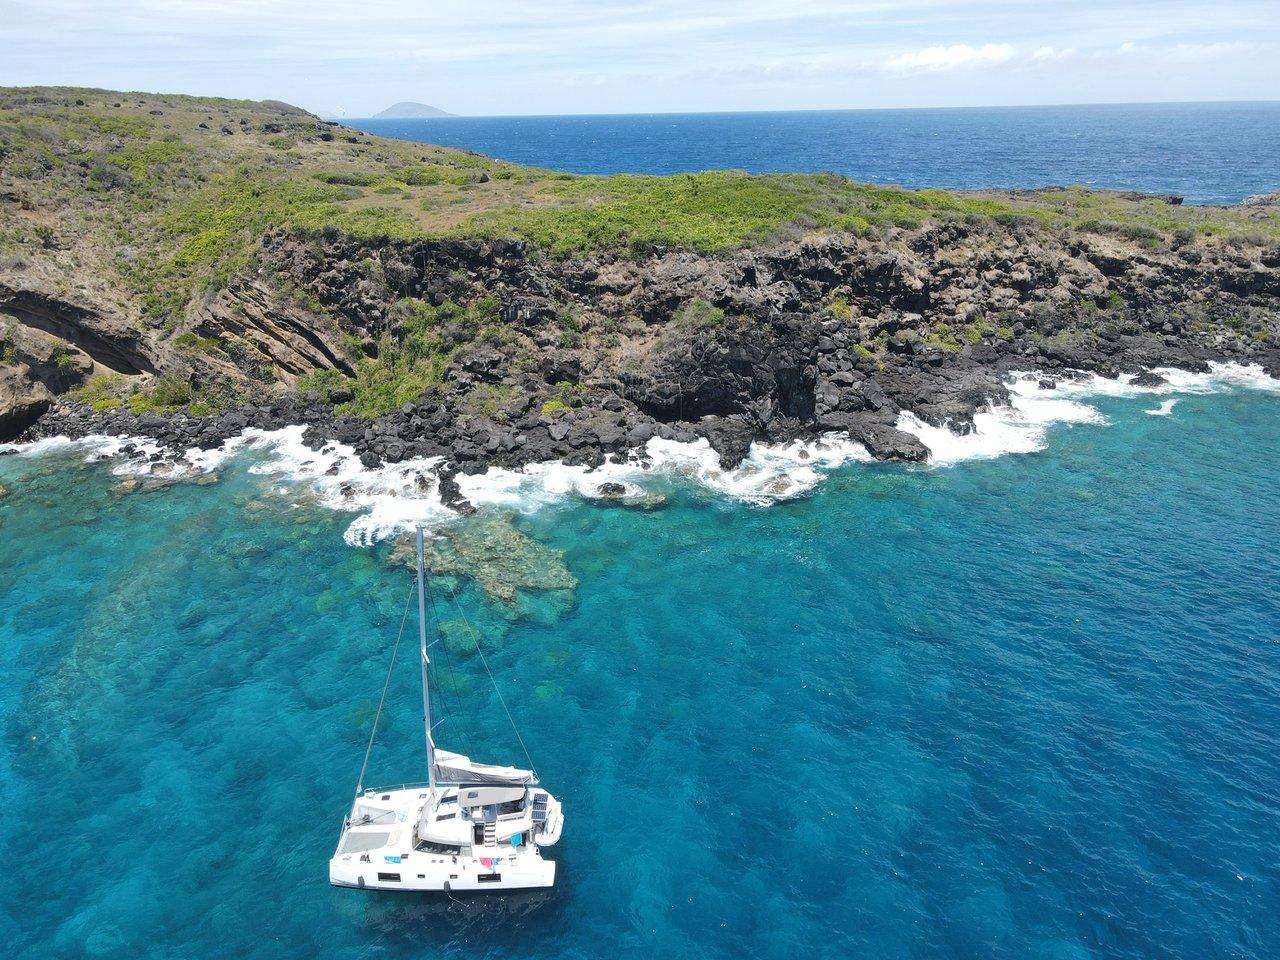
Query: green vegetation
697, 314
555, 407
194, 342
943, 337
566, 395
100, 392
412, 357
840, 308
711, 211
170, 196
107, 391
1151, 221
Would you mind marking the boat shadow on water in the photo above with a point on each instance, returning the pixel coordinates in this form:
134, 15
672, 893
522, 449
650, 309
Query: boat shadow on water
402, 914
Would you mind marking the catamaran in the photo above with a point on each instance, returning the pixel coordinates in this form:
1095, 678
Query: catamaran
471, 826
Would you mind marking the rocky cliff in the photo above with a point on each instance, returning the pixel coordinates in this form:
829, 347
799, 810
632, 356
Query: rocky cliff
585, 357
485, 342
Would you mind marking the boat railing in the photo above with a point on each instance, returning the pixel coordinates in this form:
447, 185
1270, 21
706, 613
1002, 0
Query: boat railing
403, 786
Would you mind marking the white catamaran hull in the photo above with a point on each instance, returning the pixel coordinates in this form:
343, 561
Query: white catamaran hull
378, 852
423, 872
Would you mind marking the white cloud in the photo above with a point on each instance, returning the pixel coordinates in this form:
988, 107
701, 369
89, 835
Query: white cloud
948, 58
1193, 52
620, 55
1053, 53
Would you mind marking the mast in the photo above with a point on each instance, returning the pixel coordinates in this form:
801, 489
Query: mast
422, 650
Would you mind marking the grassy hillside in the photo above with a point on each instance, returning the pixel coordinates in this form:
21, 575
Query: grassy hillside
169, 195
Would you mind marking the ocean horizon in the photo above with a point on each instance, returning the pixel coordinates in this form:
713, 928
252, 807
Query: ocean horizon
1174, 147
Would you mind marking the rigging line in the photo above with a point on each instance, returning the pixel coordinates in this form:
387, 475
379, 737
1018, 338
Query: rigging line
385, 684
502, 700
451, 702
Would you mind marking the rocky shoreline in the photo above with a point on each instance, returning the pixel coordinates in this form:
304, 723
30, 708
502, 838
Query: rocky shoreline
841, 334
599, 430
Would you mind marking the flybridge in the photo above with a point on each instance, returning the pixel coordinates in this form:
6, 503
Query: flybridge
472, 826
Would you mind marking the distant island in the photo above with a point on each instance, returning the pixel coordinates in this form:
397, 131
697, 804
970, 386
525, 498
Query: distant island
408, 110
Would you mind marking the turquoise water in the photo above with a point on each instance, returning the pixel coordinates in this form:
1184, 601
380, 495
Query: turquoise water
1023, 707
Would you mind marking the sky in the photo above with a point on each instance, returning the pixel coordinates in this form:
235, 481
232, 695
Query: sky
505, 57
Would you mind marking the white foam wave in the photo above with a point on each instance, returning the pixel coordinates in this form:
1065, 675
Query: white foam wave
394, 497
389, 498
1219, 377
1022, 426
768, 474
1164, 409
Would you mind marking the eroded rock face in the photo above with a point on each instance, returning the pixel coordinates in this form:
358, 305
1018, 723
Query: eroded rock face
22, 401
49, 345
284, 340
838, 333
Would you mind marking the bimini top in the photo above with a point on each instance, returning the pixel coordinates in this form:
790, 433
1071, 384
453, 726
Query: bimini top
455, 768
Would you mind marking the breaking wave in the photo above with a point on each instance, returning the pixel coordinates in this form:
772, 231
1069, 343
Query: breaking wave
394, 497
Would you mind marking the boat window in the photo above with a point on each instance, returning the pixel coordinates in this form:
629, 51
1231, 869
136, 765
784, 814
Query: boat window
357, 842
489, 877
446, 816
389, 877
428, 846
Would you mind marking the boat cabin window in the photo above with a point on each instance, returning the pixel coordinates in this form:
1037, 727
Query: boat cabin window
444, 849
490, 796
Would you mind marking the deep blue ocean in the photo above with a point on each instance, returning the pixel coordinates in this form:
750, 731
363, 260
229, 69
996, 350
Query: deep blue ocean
1206, 152
1022, 707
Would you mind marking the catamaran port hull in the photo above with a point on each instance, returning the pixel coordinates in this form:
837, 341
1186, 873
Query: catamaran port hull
423, 874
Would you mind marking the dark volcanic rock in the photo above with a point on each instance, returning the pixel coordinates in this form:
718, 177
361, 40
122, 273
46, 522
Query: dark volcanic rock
585, 358
1148, 378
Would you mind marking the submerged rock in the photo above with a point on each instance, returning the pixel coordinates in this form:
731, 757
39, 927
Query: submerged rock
494, 555
459, 636
127, 485
4, 491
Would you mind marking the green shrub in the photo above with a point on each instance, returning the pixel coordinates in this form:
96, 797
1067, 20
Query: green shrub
415, 352
192, 341
100, 391
697, 314
318, 384
839, 307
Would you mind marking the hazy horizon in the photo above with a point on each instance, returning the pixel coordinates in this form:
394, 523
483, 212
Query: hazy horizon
658, 113
579, 57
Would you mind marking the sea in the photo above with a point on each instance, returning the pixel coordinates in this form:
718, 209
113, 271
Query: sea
1208, 153
1021, 701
